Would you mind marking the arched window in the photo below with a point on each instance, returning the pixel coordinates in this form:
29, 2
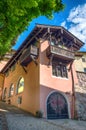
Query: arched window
11, 90
20, 86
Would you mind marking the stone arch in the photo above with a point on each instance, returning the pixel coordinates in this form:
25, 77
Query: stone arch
57, 106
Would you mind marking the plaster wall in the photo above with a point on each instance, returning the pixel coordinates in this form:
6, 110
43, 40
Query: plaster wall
30, 95
50, 83
1, 85
79, 64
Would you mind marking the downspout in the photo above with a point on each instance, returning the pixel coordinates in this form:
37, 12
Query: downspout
73, 90
2, 83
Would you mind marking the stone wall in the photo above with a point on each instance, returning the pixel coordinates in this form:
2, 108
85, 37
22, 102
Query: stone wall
80, 95
82, 79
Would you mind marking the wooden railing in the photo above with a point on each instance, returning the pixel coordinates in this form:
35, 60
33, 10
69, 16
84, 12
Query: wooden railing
26, 55
59, 52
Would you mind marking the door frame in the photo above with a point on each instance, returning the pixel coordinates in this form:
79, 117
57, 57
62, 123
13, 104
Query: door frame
66, 98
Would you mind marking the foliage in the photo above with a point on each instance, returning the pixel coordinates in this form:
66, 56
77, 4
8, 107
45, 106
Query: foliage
15, 16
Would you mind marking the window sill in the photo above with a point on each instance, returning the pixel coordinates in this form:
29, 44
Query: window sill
10, 96
64, 78
19, 93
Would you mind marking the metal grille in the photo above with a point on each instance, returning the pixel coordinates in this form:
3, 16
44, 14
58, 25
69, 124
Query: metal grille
57, 107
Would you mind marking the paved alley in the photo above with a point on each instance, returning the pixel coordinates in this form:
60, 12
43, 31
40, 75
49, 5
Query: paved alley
12, 118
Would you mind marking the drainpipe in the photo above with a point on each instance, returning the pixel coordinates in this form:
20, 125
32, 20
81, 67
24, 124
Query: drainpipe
2, 82
73, 90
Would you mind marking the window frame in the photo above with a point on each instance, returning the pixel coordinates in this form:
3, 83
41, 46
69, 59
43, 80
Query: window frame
83, 59
13, 67
7, 73
19, 87
84, 70
59, 69
11, 90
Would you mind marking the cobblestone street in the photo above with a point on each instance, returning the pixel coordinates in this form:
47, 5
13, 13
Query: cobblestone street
3, 122
12, 118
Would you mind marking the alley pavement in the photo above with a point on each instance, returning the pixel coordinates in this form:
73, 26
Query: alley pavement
13, 118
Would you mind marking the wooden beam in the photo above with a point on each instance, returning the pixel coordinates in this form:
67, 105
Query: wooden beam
44, 34
75, 40
48, 29
33, 58
61, 30
20, 52
76, 45
24, 69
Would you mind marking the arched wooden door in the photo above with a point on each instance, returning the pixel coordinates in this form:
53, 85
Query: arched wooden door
57, 107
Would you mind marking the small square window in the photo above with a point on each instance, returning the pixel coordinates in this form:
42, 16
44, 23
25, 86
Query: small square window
83, 60
13, 67
59, 70
85, 70
7, 74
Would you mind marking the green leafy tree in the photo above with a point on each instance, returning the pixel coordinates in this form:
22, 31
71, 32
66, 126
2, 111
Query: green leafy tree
15, 16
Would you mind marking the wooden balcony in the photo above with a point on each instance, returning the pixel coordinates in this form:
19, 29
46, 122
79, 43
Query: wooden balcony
59, 53
27, 55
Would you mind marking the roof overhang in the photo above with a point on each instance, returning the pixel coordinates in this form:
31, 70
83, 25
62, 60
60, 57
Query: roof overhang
41, 31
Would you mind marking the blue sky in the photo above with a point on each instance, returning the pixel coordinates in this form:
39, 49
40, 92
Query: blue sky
73, 18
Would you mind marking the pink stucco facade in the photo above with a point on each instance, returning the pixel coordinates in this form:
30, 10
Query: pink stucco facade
50, 83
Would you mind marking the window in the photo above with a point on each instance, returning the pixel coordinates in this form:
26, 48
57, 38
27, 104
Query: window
85, 70
20, 87
53, 41
19, 100
83, 59
64, 40
11, 90
59, 70
35, 43
57, 42
7, 74
13, 67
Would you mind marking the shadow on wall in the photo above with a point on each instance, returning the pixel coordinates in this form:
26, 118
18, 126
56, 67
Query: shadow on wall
80, 93
44, 59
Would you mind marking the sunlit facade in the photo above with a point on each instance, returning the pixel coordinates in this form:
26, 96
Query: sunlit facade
41, 75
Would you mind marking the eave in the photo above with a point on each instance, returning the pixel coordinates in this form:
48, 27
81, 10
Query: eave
41, 31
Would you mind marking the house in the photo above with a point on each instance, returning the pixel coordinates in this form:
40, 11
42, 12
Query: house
80, 89
6, 57
40, 77
3, 62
